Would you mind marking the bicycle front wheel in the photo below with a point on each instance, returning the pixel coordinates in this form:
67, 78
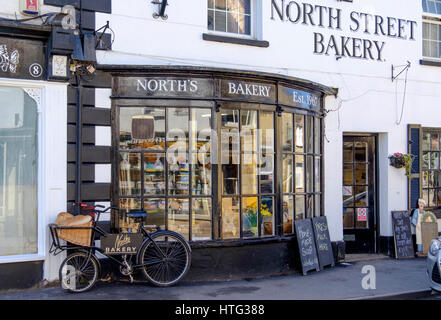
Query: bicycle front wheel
166, 259
79, 272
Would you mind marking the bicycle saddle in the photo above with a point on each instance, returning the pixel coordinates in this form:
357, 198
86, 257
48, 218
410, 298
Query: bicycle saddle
137, 214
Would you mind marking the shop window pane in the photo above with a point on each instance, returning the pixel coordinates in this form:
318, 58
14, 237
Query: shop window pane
249, 174
126, 224
426, 141
210, 20
287, 132
230, 142
233, 5
309, 206
201, 219
300, 207
230, 179
348, 174
317, 174
230, 218
178, 215
425, 195
432, 198
348, 152
287, 173
142, 128
232, 22
266, 173
361, 151
200, 129
220, 21
309, 134
425, 179
178, 178
287, 208
130, 174
300, 173
211, 4
154, 174
438, 196
244, 6
317, 136
245, 24
362, 221
317, 205
266, 123
348, 196
431, 179
348, 218
361, 171
155, 209
299, 133
248, 130
177, 122
434, 160
221, 4
426, 157
267, 216
249, 217
18, 173
361, 196
201, 174
309, 173
434, 139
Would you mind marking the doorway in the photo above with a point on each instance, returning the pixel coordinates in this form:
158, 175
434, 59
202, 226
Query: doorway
359, 193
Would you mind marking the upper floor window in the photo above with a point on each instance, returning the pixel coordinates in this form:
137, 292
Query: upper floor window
230, 16
432, 29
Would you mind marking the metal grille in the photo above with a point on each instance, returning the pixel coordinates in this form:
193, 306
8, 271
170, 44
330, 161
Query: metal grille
435, 274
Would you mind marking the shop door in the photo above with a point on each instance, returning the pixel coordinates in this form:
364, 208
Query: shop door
359, 194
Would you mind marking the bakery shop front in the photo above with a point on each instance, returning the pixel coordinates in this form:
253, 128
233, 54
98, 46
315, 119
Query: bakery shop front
228, 159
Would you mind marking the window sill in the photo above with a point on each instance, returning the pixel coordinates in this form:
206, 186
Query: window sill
233, 40
431, 63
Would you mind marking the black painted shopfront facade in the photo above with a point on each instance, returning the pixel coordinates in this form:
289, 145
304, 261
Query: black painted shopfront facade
229, 159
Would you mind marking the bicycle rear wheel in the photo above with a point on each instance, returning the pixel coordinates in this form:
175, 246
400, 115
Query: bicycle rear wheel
166, 259
79, 272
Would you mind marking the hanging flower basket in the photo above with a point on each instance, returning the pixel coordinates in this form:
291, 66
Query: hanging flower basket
400, 160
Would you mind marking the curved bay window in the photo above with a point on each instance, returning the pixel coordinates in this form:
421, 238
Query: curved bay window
214, 158
301, 162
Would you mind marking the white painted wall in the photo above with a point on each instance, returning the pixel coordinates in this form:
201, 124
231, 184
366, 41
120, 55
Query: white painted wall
368, 101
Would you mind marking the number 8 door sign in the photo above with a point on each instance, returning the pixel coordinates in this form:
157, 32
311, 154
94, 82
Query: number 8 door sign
35, 70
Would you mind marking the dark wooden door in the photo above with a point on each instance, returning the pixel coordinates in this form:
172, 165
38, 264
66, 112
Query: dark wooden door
359, 194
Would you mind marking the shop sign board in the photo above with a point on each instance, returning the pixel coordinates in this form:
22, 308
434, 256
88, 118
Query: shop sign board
22, 59
306, 244
402, 235
160, 87
123, 243
323, 241
251, 91
300, 99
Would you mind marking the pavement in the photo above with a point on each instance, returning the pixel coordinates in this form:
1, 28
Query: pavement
392, 279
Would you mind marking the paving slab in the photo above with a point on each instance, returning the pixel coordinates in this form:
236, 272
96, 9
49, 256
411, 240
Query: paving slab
344, 281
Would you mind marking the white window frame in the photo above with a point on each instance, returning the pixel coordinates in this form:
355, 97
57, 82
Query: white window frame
52, 161
256, 18
429, 18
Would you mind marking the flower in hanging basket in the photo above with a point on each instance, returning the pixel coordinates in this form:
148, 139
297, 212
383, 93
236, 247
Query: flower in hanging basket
400, 160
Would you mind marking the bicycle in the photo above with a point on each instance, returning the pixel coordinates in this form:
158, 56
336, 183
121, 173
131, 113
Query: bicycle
164, 256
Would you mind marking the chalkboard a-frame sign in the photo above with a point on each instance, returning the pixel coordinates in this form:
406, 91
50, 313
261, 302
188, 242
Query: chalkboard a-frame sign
323, 242
402, 235
306, 243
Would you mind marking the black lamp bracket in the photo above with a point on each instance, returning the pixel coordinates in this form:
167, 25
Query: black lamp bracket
162, 5
404, 66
